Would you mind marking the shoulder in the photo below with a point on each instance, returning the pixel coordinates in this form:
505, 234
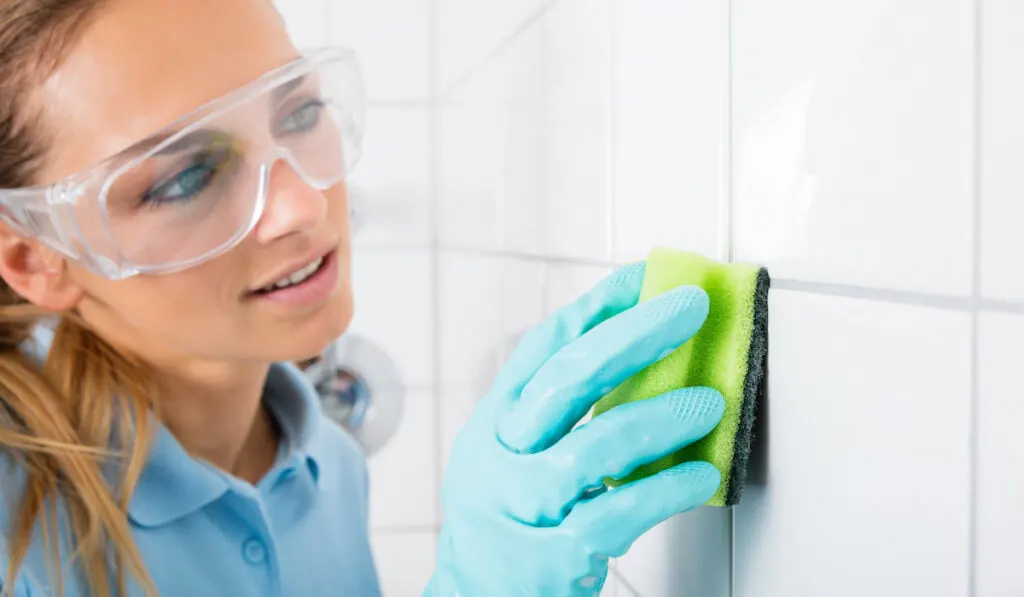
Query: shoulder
12, 484
340, 456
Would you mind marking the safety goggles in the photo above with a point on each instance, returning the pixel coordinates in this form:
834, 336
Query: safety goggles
197, 187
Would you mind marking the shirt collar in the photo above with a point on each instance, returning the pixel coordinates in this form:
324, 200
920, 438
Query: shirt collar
174, 484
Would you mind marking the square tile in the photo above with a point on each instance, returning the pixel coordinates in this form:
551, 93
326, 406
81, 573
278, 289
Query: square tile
394, 309
306, 21
1000, 534
575, 165
1002, 145
866, 451
403, 473
490, 163
392, 41
487, 302
391, 186
670, 77
405, 562
852, 147
469, 31
456, 407
685, 556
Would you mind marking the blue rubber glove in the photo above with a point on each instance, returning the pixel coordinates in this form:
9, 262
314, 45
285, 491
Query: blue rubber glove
526, 511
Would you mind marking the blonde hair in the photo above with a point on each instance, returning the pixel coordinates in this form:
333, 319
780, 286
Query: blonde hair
86, 410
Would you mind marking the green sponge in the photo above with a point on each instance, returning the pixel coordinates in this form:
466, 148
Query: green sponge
729, 354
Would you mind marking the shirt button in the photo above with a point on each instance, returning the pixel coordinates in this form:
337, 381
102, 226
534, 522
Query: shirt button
254, 552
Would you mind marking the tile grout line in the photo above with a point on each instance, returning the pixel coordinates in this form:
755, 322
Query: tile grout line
975, 303
612, 154
433, 61
503, 44
728, 233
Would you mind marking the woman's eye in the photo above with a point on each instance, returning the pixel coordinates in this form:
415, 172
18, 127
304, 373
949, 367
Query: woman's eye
303, 119
189, 182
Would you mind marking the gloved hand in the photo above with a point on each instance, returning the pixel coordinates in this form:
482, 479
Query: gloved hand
526, 512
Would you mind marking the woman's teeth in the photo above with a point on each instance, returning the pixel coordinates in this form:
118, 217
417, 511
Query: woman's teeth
297, 278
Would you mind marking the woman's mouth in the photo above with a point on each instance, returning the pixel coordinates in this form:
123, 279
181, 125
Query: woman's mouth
307, 286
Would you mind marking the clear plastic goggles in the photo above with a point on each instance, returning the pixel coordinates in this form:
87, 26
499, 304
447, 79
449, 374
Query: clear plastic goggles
197, 188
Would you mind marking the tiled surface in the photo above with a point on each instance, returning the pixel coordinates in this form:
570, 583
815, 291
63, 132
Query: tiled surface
524, 144
685, 556
852, 146
575, 127
392, 40
669, 89
306, 21
470, 30
393, 308
403, 490
1002, 145
866, 448
1000, 457
486, 302
456, 407
405, 562
490, 176
391, 185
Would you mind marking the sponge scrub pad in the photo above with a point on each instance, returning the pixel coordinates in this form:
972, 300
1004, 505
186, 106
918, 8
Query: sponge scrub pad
729, 354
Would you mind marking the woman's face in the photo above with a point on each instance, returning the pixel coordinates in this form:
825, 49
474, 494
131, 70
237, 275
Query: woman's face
137, 67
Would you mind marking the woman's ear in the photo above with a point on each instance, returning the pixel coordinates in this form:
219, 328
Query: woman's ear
36, 272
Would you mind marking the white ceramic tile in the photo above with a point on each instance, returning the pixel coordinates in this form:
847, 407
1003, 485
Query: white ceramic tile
306, 21
392, 40
685, 556
865, 445
405, 562
486, 303
1000, 535
403, 475
393, 308
456, 407
524, 164
391, 186
669, 89
852, 144
575, 132
470, 30
566, 283
1002, 145
491, 194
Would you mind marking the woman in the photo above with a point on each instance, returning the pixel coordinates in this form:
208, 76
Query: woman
175, 207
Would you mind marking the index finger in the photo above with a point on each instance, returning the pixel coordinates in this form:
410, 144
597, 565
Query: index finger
614, 294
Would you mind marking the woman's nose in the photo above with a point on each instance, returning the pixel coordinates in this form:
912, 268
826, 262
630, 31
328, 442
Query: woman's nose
292, 205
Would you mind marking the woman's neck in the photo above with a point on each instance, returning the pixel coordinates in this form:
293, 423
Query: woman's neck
217, 413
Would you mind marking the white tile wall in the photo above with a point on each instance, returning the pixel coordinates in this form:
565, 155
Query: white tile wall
490, 178
687, 556
832, 140
1002, 145
403, 477
852, 144
1000, 457
867, 453
392, 40
469, 31
405, 562
306, 21
670, 90
486, 302
391, 186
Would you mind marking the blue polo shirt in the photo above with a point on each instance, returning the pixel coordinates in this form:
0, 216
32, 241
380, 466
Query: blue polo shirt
302, 531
